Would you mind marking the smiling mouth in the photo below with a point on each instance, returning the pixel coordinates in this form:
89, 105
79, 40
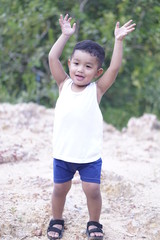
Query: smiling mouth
79, 77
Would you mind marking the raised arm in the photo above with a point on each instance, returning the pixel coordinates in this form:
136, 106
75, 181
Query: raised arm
55, 65
110, 75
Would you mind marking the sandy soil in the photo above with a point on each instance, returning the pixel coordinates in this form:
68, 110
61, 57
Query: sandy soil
130, 178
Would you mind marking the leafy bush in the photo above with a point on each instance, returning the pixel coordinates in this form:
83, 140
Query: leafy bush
29, 28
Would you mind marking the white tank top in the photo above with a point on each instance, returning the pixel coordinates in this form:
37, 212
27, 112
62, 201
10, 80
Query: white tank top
78, 125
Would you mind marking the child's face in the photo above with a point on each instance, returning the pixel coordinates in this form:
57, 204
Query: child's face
83, 68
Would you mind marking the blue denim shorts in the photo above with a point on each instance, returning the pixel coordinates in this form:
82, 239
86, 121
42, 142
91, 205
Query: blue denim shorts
89, 172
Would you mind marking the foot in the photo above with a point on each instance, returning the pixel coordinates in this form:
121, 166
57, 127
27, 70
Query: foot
55, 229
94, 231
55, 234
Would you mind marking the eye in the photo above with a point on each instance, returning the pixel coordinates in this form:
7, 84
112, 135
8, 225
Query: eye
88, 66
75, 63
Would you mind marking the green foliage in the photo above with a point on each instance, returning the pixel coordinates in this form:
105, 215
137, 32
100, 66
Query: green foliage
27, 33
29, 29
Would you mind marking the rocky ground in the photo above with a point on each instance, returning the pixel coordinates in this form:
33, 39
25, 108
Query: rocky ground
130, 178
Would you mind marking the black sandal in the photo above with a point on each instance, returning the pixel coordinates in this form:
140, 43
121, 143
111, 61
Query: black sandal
51, 228
97, 229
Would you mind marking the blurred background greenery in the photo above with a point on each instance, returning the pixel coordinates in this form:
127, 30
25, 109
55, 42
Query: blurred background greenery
28, 30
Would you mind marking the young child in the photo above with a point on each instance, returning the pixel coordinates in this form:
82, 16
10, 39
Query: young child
78, 124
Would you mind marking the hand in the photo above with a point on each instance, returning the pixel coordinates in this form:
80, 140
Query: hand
121, 32
66, 25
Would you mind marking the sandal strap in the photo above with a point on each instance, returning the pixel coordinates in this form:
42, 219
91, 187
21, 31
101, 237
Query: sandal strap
54, 229
53, 222
93, 223
56, 221
95, 230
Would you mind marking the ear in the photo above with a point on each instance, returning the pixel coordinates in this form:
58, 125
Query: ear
69, 63
99, 72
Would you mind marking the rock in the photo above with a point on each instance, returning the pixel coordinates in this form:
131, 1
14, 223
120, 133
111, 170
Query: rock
130, 178
147, 122
23, 128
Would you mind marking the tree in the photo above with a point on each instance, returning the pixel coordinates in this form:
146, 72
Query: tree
29, 28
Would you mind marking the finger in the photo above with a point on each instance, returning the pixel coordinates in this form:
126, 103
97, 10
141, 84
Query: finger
131, 26
117, 25
61, 17
65, 18
61, 20
74, 27
127, 23
69, 19
130, 30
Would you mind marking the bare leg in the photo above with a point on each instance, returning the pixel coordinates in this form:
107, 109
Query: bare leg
60, 191
94, 202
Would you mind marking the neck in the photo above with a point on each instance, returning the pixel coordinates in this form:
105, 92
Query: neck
78, 88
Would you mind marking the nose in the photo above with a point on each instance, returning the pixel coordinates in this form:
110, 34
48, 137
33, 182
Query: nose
80, 68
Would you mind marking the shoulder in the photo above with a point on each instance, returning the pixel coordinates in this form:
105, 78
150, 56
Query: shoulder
99, 92
66, 81
95, 91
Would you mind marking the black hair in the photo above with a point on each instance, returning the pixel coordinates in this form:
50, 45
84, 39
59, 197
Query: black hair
93, 48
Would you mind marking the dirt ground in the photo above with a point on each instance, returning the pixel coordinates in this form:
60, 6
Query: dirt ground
130, 178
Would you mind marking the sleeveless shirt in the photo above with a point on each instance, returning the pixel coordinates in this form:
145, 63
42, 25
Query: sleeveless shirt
78, 125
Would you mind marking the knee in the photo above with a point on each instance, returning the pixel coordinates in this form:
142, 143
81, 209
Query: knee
95, 194
60, 190
92, 191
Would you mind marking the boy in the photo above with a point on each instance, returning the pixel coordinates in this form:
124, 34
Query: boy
78, 122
